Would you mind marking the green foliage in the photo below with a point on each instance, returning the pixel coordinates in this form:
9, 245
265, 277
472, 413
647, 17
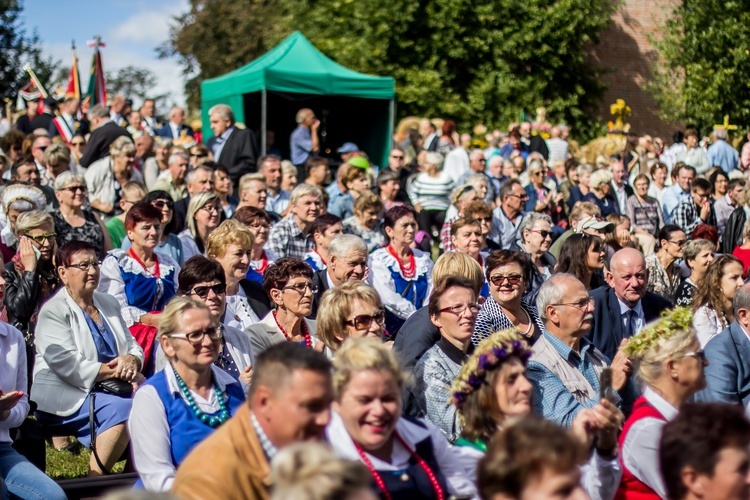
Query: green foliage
475, 61
705, 60
134, 82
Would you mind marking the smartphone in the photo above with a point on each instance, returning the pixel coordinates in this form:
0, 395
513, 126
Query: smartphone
605, 385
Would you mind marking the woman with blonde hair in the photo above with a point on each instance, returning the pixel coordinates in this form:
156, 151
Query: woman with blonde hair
713, 299
73, 222
57, 159
670, 362
356, 181
157, 164
203, 216
352, 309
601, 188
406, 459
288, 176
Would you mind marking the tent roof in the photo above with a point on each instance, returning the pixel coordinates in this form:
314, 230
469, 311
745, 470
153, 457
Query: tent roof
297, 66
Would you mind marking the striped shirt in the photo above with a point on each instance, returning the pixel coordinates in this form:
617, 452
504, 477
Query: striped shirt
433, 193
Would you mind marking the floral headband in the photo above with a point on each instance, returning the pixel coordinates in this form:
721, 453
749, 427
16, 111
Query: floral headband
489, 355
671, 322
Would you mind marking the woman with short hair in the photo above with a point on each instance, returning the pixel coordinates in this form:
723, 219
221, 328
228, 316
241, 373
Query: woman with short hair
57, 160
157, 164
644, 211
72, 221
367, 220
323, 230
600, 195
17, 199
105, 178
169, 242
535, 238
663, 275
259, 224
203, 216
697, 254
713, 299
581, 189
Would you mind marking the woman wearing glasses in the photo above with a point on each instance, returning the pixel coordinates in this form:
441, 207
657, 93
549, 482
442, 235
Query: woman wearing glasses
169, 242
259, 224
508, 274
663, 275
714, 298
352, 309
185, 402
288, 282
142, 280
535, 238
203, 216
72, 221
601, 187
82, 339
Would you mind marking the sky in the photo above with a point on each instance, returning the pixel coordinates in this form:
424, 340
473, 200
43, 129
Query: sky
131, 30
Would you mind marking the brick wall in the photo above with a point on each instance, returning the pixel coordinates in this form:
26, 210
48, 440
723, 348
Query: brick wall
626, 50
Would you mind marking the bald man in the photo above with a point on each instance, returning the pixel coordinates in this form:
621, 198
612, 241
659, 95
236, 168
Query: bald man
623, 307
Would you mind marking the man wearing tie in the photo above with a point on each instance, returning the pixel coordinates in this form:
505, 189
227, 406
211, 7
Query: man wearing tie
176, 125
234, 148
151, 122
623, 307
67, 125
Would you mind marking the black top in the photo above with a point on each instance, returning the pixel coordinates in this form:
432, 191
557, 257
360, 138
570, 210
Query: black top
415, 338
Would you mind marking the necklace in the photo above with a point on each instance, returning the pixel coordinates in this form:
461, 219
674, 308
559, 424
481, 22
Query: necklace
303, 327
439, 494
409, 270
211, 421
156, 273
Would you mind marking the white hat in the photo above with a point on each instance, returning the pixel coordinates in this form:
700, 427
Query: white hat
592, 222
32, 194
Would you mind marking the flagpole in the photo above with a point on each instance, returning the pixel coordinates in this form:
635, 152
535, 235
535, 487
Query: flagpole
34, 79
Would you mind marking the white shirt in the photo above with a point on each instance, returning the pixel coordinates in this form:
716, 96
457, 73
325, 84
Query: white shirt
640, 451
13, 377
640, 320
707, 324
622, 197
278, 203
175, 130
456, 164
239, 314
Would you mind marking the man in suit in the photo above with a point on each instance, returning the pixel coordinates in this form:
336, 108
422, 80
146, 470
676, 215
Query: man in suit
118, 111
623, 307
620, 189
151, 123
234, 148
429, 134
347, 260
45, 119
728, 355
176, 125
104, 134
67, 125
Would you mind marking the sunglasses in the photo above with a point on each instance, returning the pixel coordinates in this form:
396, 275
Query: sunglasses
74, 189
544, 234
163, 203
499, 279
397, 157
483, 219
202, 291
364, 321
41, 238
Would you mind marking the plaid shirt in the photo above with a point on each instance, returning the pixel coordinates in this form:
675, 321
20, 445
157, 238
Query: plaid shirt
686, 216
445, 235
286, 239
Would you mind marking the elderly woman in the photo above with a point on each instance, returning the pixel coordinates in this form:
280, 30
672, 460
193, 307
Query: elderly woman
352, 309
714, 297
202, 218
400, 274
644, 211
509, 275
430, 193
581, 189
17, 199
184, 403
466, 237
142, 280
169, 243
106, 177
259, 223
663, 275
669, 360
131, 193
600, 195
482, 213
246, 301
698, 254
356, 181
82, 341
323, 230
541, 198
366, 221
288, 282
157, 164
406, 459
72, 221
57, 159
535, 238
658, 185
582, 255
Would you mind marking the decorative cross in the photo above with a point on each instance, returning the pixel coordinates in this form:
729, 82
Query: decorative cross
96, 42
726, 126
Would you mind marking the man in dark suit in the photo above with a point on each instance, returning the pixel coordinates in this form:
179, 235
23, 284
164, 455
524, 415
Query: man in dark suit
104, 134
234, 148
45, 119
347, 260
176, 125
623, 307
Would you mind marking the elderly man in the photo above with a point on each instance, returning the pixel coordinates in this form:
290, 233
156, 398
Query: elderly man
303, 143
565, 367
173, 180
678, 192
198, 180
289, 402
623, 306
235, 148
347, 260
724, 206
176, 125
696, 210
508, 215
104, 134
117, 111
721, 153
477, 165
151, 123
620, 190
558, 147
728, 355
278, 199
291, 237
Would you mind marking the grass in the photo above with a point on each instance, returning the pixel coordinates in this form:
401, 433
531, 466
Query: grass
65, 465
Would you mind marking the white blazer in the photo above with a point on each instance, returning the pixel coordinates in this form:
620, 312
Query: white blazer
66, 356
267, 333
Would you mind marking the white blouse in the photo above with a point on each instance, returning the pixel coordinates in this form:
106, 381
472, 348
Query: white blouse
238, 313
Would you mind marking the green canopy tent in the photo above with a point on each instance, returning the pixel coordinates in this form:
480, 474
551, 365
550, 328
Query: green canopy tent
267, 93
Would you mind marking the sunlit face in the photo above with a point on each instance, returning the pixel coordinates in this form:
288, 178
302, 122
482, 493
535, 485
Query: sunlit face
731, 280
363, 308
222, 183
235, 262
700, 196
178, 169
622, 232
512, 390
254, 194
289, 180
307, 208
576, 315
289, 298
515, 201
359, 184
684, 178
538, 238
699, 265
660, 176
272, 172
720, 186
351, 266
323, 240
368, 218
735, 194
618, 173
690, 370
134, 120
48, 246
216, 302
468, 240
72, 195
641, 187
198, 357
207, 217
201, 182
389, 190
502, 290
123, 164
457, 324
396, 160
218, 124
675, 244
595, 256
145, 234
79, 280
260, 229
403, 231
629, 280
166, 208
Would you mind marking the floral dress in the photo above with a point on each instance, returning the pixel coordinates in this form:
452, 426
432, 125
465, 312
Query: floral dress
659, 281
91, 232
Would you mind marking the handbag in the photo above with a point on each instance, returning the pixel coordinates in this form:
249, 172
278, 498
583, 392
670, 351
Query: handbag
116, 387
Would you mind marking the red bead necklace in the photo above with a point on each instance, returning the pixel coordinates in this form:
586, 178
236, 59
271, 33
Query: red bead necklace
303, 327
409, 270
157, 273
439, 494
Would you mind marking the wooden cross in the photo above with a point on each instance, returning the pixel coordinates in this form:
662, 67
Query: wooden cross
726, 126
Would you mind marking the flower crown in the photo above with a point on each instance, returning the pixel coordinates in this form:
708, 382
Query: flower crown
671, 322
489, 355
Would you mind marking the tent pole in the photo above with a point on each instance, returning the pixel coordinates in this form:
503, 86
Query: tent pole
263, 125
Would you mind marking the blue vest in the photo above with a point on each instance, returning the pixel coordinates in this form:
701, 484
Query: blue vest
414, 293
185, 430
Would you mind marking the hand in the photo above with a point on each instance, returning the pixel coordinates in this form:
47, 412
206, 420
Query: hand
608, 423
8, 401
418, 207
247, 374
150, 319
315, 124
28, 257
584, 427
558, 198
137, 381
622, 368
126, 367
705, 210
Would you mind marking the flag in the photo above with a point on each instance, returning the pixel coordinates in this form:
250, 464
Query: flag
74, 82
28, 92
97, 92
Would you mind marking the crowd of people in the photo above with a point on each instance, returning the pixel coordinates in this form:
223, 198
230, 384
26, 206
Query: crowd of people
497, 322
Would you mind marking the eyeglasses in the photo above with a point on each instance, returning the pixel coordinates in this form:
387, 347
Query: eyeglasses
483, 219
680, 243
458, 310
196, 338
301, 288
544, 234
84, 266
41, 148
41, 238
163, 203
211, 208
581, 304
699, 355
499, 279
202, 291
77, 144
74, 189
397, 157
519, 196
364, 321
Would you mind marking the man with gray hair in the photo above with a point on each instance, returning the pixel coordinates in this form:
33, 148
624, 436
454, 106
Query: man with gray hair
304, 143
235, 148
347, 261
291, 237
728, 355
176, 125
173, 179
565, 367
721, 153
197, 181
105, 132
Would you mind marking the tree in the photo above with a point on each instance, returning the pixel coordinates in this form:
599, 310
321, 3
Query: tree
18, 48
132, 82
704, 60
